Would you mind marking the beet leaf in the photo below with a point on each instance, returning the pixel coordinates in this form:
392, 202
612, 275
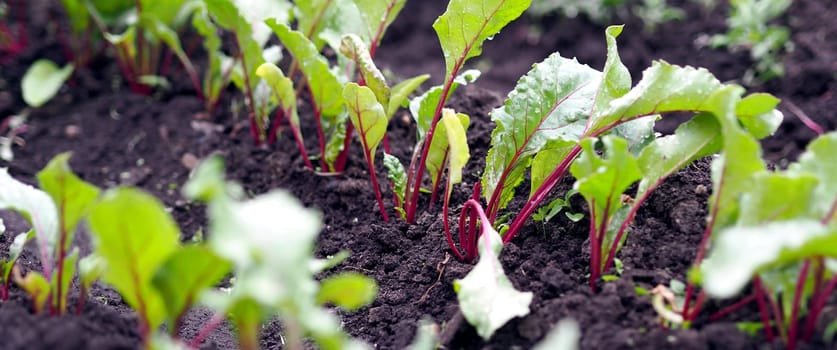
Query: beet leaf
42, 81
441, 150
378, 15
6, 266
283, 89
486, 296
602, 181
135, 246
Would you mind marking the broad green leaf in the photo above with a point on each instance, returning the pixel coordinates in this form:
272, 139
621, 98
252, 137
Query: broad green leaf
349, 290
396, 174
353, 47
59, 300
90, 269
283, 88
564, 336
77, 14
740, 252
439, 153
486, 296
367, 116
185, 275
169, 36
42, 81
602, 181
38, 209
15, 249
663, 88
616, 81
228, 15
72, 195
758, 115
340, 18
256, 12
542, 165
325, 88
776, 197
457, 153
466, 24
740, 159
401, 91
423, 107
697, 138
165, 11
378, 15
135, 235
820, 160
548, 107
37, 286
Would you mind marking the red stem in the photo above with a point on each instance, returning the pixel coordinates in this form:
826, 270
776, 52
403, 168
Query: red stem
624, 228
540, 194
206, 330
594, 272
732, 308
763, 311
254, 132
797, 303
340, 162
817, 307
81, 301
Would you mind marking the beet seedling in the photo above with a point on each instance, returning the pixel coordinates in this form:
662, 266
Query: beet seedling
54, 212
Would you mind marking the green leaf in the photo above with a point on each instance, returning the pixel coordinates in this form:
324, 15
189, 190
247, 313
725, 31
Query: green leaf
427, 336
15, 249
758, 115
776, 197
325, 87
740, 252
458, 153
38, 288
206, 182
602, 181
402, 90
547, 110
42, 81
663, 88
486, 296
820, 160
283, 88
697, 138
378, 15
214, 80
77, 14
72, 195
353, 47
38, 209
423, 107
440, 152
466, 24
566, 335
185, 275
396, 174
59, 300
367, 116
90, 269
348, 290
135, 235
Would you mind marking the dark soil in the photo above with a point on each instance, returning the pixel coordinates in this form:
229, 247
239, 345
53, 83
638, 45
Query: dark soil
119, 138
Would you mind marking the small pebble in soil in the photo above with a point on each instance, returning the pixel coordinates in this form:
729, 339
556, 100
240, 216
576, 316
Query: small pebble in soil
190, 161
72, 131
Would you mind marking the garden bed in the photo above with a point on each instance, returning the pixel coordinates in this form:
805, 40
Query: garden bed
152, 142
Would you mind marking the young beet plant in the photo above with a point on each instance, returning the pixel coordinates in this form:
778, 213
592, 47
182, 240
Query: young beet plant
776, 229
54, 213
562, 110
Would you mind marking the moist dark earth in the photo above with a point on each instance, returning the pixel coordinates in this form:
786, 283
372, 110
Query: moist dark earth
119, 138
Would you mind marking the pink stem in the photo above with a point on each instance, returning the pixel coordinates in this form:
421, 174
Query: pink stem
797, 303
207, 329
765, 313
732, 308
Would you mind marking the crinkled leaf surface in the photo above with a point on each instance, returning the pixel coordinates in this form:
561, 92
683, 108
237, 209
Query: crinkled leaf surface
184, 275
36, 206
356, 50
740, 252
466, 24
367, 116
72, 195
550, 104
42, 81
486, 296
349, 290
135, 235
